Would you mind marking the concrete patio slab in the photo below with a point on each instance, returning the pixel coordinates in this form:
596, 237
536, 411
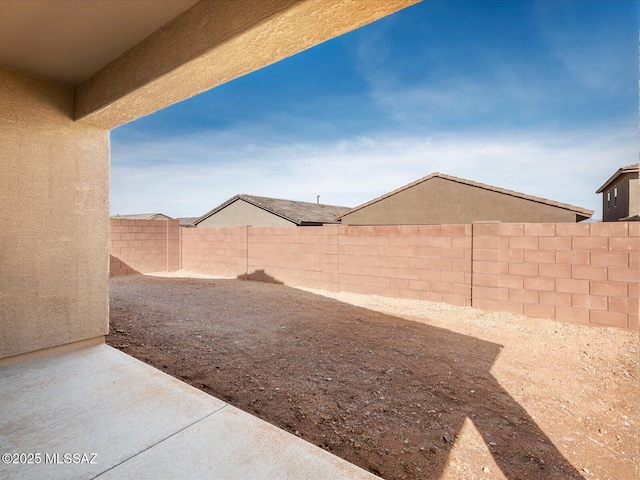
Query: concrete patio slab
125, 419
235, 445
95, 400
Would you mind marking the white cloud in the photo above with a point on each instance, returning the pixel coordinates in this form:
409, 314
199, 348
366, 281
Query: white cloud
191, 175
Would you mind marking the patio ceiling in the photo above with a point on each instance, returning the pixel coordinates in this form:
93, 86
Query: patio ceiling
69, 40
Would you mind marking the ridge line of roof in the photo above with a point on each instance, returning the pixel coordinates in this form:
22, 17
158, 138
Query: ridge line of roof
294, 201
250, 199
246, 198
255, 201
140, 215
215, 209
526, 196
298, 221
389, 194
634, 167
513, 193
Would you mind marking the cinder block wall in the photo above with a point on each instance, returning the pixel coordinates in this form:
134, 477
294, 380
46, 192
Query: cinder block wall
584, 273
143, 246
579, 273
305, 257
215, 251
427, 262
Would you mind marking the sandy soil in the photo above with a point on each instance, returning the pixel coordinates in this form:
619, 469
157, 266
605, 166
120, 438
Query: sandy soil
404, 389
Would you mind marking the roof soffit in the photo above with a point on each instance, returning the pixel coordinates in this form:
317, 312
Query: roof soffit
67, 41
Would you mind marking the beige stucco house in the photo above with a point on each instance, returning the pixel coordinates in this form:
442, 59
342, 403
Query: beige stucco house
621, 195
255, 211
439, 199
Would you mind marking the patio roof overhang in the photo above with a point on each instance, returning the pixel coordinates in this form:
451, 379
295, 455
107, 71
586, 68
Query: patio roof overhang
127, 59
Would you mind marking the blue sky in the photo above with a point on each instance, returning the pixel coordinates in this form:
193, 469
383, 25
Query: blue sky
539, 97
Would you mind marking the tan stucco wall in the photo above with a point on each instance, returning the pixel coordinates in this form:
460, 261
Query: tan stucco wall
634, 196
54, 199
241, 213
628, 198
441, 201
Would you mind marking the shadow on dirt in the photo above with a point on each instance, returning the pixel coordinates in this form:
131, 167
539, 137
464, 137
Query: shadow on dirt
259, 276
387, 394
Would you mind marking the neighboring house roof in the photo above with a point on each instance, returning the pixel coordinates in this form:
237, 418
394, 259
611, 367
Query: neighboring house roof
300, 213
633, 168
144, 216
579, 210
187, 221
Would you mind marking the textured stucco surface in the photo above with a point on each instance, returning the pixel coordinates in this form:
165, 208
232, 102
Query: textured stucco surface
241, 213
68, 41
212, 43
634, 196
628, 198
612, 210
440, 201
54, 198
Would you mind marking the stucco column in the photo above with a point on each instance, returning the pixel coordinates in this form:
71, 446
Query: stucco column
54, 199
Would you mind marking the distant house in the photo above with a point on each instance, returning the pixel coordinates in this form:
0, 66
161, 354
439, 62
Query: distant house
621, 195
268, 212
442, 199
144, 216
187, 221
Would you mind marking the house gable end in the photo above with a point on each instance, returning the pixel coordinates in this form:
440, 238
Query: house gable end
439, 199
239, 213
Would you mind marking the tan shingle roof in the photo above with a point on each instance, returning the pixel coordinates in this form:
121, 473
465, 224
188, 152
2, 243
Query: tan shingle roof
300, 213
144, 216
633, 168
187, 221
579, 210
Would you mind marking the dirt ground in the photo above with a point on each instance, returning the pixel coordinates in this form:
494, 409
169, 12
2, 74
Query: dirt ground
404, 389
